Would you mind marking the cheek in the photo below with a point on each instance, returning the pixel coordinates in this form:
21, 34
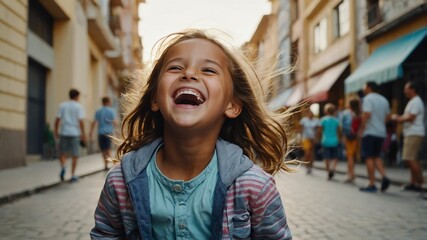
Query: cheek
220, 91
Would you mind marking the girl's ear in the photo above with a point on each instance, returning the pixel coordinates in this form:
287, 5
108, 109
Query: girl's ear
154, 105
234, 108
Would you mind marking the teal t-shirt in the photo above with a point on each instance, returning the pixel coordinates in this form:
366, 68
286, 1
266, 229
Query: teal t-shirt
181, 209
330, 127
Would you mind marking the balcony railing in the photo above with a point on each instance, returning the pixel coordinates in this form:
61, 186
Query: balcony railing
98, 28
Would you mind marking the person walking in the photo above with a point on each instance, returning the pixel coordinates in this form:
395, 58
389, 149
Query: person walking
69, 128
350, 127
309, 125
330, 129
376, 111
413, 133
105, 117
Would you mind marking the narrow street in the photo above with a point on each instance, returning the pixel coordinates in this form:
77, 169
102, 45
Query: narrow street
61, 213
321, 209
316, 209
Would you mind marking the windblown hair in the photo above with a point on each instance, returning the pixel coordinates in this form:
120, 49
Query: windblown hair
260, 133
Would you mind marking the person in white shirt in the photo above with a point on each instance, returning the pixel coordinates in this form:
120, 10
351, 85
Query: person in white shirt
413, 133
69, 129
376, 111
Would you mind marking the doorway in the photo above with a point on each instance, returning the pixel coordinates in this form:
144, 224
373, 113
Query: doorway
36, 107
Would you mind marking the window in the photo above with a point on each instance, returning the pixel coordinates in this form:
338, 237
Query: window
320, 36
341, 19
374, 12
40, 21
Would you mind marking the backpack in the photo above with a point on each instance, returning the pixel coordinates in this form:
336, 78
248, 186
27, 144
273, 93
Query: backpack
355, 124
351, 125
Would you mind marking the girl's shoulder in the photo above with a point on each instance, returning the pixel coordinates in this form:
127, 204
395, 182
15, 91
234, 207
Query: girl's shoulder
255, 174
115, 175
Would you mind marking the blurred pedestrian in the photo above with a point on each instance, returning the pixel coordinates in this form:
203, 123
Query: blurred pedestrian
69, 128
330, 129
350, 123
339, 113
376, 112
309, 125
390, 145
188, 156
413, 133
105, 117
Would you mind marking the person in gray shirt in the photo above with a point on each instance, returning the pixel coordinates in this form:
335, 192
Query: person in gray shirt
376, 111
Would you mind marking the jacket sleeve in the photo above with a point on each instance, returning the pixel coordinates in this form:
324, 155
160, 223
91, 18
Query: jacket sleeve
269, 220
108, 220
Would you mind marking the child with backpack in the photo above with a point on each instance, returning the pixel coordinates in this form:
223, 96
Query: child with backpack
350, 126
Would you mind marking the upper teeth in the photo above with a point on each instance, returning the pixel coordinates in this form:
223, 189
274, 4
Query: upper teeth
191, 92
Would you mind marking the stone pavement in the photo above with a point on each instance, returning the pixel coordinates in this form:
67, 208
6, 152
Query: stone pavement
332, 210
24, 181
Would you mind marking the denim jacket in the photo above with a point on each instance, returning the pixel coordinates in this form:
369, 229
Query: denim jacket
246, 202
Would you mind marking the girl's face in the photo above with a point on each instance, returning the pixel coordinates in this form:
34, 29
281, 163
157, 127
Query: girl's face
195, 89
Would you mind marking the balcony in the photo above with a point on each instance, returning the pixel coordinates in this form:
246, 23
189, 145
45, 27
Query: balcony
116, 56
98, 28
56, 8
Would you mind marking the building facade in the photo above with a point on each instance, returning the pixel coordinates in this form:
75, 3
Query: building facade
48, 47
384, 27
317, 41
391, 50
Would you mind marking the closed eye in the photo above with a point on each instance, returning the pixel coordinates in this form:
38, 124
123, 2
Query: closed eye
174, 68
209, 70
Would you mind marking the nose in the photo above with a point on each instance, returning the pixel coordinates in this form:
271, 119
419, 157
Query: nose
190, 74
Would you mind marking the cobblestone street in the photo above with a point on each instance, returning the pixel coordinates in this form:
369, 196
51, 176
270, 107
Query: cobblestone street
61, 213
316, 208
321, 209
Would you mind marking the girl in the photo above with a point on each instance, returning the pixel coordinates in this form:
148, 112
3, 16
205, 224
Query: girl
186, 170
350, 125
329, 126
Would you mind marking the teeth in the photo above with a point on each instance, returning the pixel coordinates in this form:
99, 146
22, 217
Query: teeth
190, 91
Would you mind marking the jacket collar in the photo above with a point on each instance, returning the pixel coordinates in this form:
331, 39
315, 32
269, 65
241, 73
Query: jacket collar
231, 161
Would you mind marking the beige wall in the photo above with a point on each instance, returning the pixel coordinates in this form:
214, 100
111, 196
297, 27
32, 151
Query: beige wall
13, 64
265, 40
13, 82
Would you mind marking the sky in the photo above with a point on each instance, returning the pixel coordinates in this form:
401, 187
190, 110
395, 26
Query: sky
237, 18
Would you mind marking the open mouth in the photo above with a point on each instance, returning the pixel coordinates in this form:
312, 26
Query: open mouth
188, 96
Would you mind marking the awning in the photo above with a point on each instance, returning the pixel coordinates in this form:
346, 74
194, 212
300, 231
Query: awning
319, 88
296, 95
385, 63
280, 100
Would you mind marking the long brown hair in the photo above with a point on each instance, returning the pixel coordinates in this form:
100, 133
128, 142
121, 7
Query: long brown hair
260, 133
355, 106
